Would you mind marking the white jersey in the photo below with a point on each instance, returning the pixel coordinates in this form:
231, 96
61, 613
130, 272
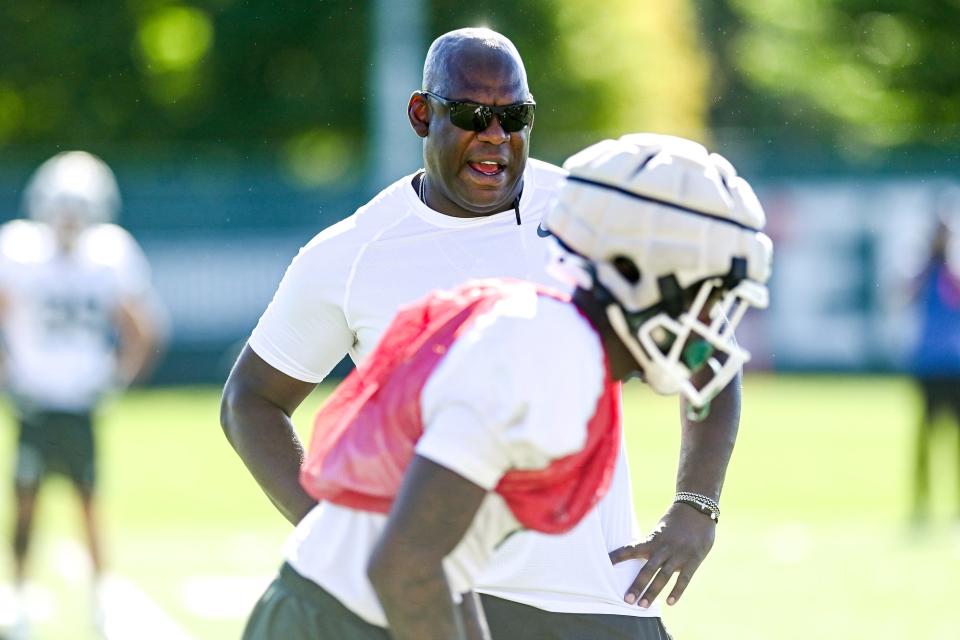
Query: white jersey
504, 397
59, 322
339, 295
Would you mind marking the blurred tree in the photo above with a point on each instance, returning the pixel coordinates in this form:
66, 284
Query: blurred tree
643, 58
632, 66
250, 77
243, 76
880, 73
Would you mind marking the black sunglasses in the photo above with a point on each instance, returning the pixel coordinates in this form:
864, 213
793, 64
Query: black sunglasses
472, 116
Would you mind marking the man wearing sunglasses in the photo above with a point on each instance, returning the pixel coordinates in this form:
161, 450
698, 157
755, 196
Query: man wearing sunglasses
473, 211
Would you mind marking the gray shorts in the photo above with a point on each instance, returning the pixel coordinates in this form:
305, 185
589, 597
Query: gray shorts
294, 608
509, 620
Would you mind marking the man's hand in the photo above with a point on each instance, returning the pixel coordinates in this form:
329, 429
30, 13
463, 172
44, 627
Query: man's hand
681, 541
684, 536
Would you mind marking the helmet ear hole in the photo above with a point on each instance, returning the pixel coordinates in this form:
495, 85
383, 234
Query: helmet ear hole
627, 268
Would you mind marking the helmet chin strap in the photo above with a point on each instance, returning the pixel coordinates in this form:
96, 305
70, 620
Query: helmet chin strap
656, 374
652, 375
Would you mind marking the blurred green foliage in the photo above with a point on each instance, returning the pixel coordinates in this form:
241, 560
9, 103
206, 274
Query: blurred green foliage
879, 73
823, 486
632, 66
291, 78
244, 74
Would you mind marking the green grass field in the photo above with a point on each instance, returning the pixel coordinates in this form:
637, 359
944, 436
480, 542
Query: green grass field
814, 541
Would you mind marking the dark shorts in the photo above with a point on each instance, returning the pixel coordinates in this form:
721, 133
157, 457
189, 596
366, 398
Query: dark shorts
941, 393
55, 442
509, 620
294, 608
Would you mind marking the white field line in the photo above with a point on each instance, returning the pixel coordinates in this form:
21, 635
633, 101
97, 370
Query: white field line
223, 597
125, 611
71, 562
129, 614
39, 604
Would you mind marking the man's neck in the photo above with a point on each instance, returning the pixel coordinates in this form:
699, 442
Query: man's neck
442, 204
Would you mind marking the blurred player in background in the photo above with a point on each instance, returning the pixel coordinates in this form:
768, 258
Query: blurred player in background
473, 211
937, 354
78, 321
495, 407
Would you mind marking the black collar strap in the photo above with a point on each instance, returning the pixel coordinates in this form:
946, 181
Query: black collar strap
422, 194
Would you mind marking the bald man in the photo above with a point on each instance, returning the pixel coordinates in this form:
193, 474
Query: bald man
473, 211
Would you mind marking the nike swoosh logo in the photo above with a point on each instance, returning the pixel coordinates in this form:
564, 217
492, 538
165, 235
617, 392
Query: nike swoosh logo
543, 233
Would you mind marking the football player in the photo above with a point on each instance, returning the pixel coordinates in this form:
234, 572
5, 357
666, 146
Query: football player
78, 321
495, 407
473, 211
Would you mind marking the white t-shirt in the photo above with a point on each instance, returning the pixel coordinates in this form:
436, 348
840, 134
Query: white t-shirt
504, 397
59, 322
339, 295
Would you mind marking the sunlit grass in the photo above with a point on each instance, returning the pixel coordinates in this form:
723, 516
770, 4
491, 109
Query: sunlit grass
813, 542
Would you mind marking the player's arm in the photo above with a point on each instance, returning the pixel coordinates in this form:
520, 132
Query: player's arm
684, 535
430, 516
255, 412
138, 340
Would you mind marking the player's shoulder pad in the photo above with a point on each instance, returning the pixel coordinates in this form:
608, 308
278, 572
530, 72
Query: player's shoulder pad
111, 245
519, 319
25, 241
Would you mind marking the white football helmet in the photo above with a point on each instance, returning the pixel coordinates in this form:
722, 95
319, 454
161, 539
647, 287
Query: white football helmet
670, 236
75, 184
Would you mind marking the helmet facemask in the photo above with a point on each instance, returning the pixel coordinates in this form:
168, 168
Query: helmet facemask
668, 240
685, 344
693, 353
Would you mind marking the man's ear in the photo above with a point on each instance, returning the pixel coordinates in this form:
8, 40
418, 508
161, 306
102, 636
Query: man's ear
418, 111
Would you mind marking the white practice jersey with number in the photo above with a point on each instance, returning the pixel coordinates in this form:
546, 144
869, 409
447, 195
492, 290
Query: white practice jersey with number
59, 323
339, 295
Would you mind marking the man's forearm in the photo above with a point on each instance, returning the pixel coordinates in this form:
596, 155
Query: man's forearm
684, 537
706, 446
417, 603
138, 341
430, 517
266, 441
255, 411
